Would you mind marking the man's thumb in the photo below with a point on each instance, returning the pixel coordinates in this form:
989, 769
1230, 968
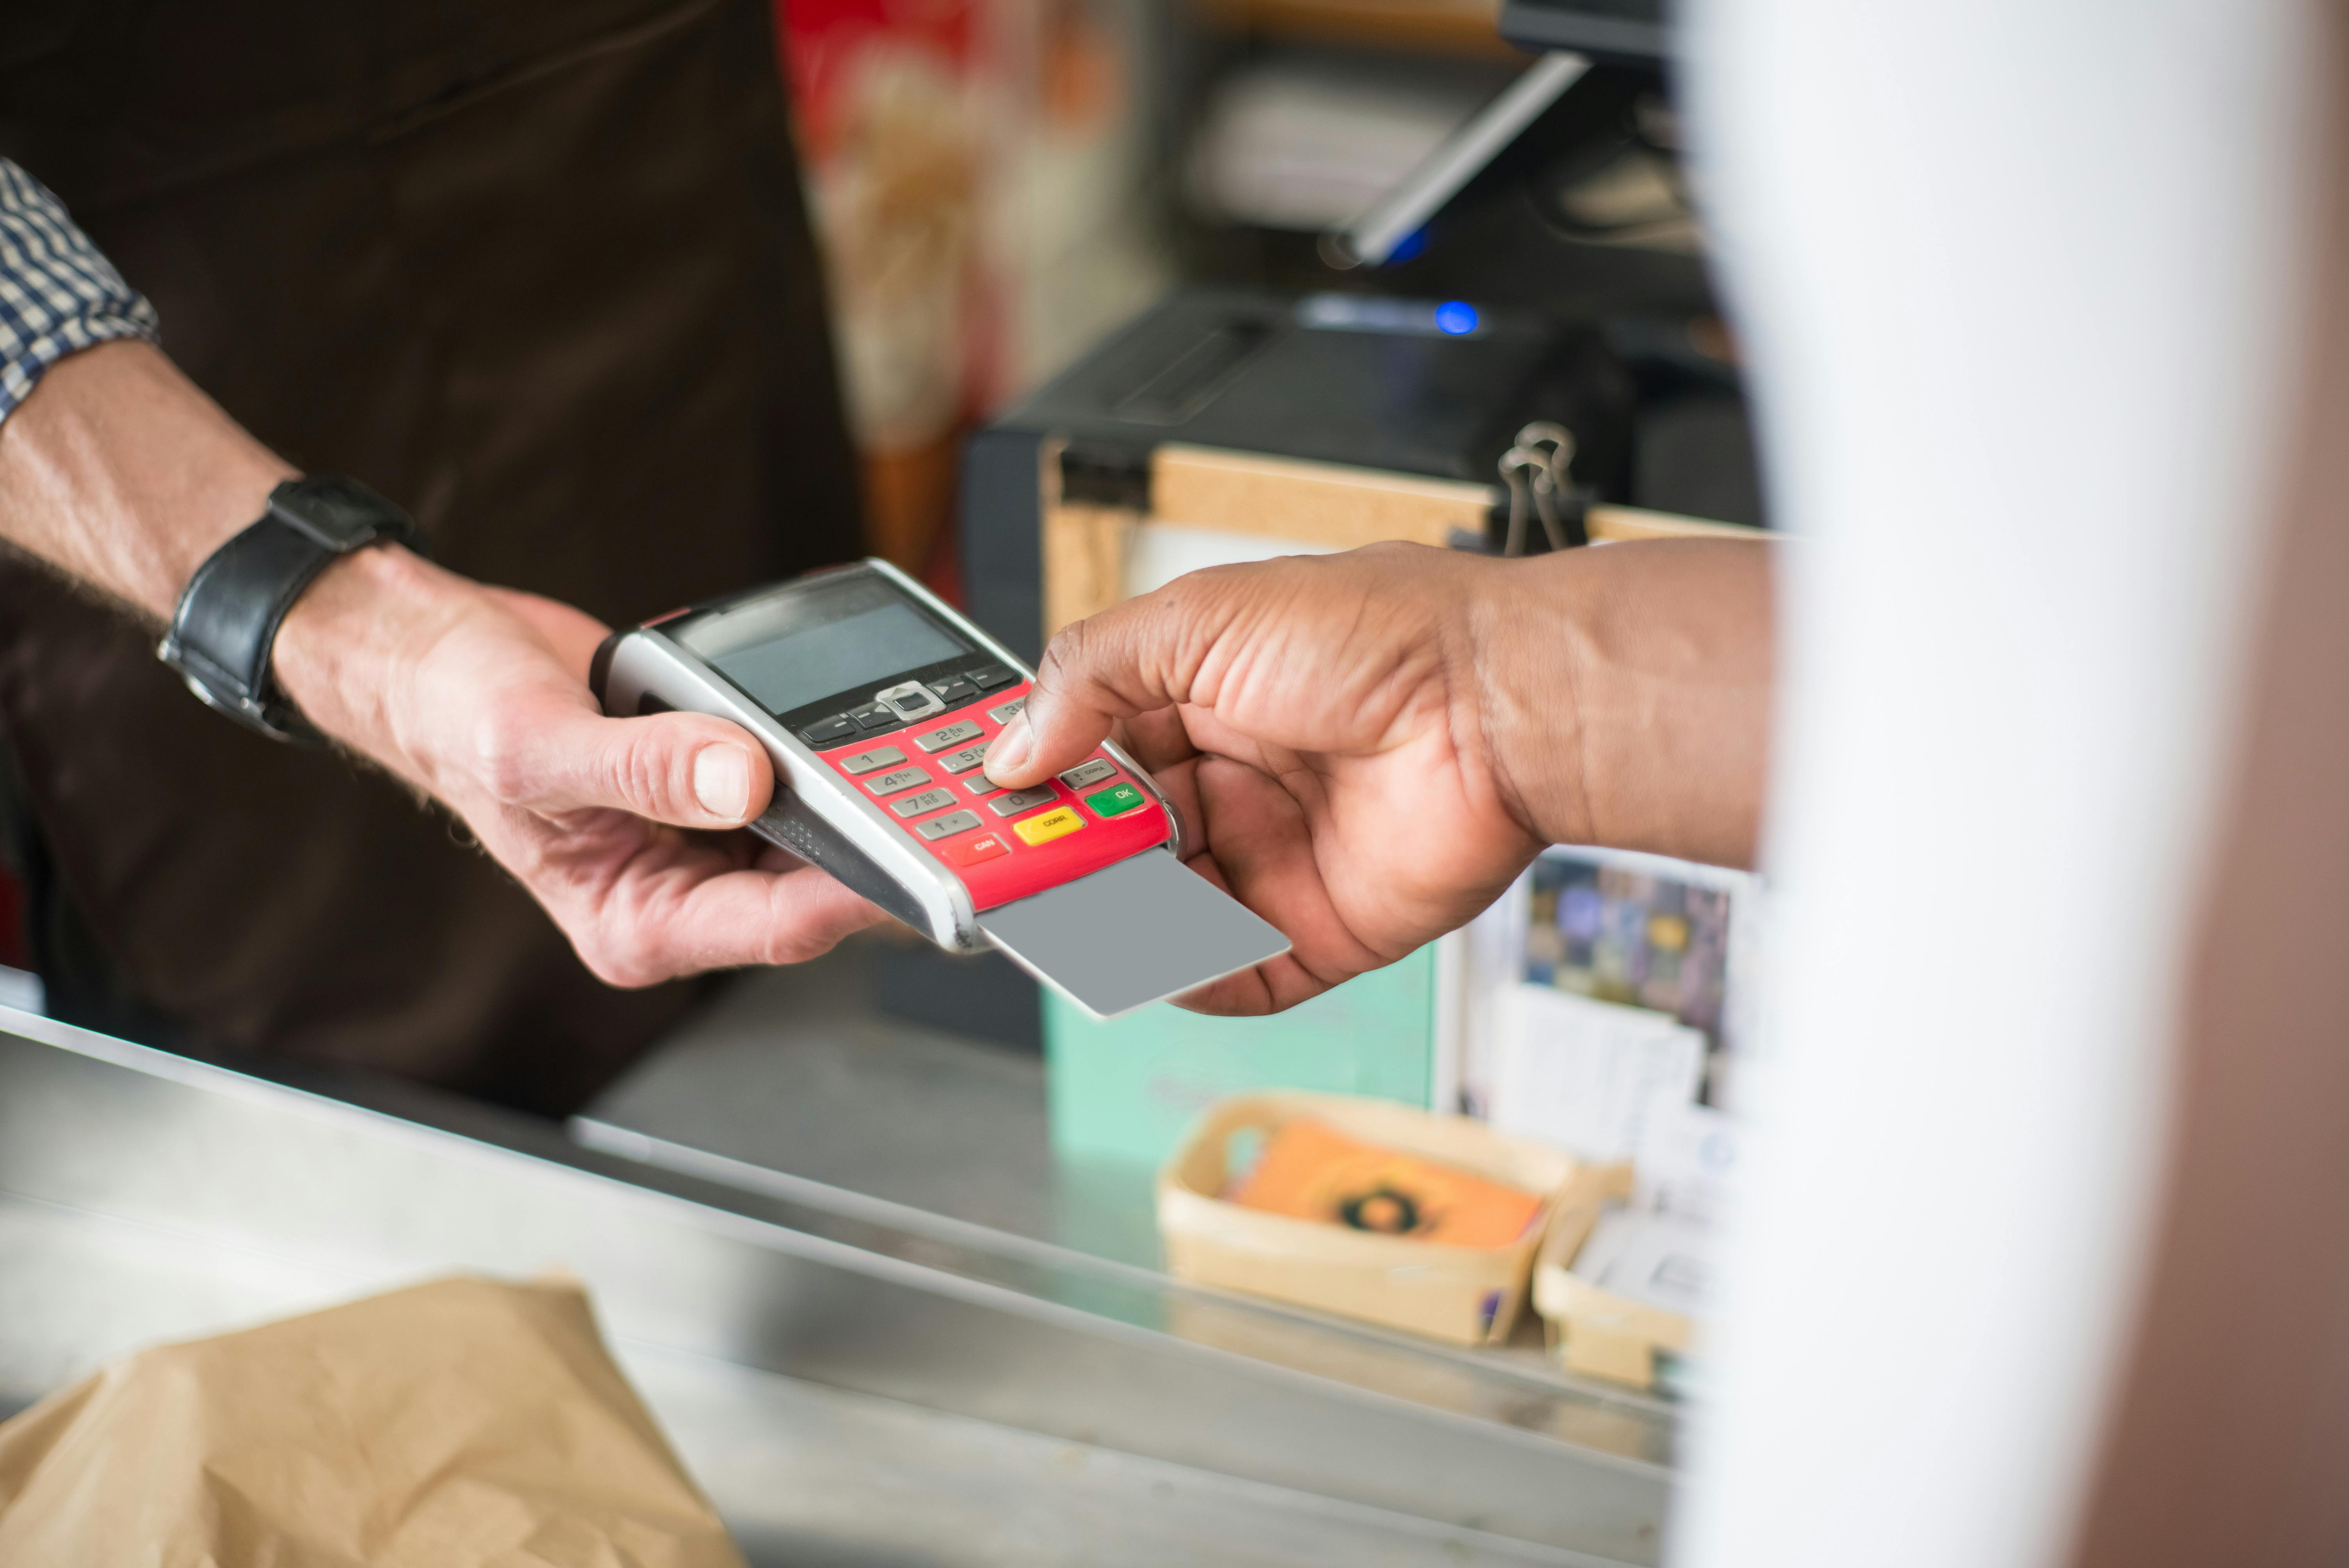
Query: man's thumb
691, 770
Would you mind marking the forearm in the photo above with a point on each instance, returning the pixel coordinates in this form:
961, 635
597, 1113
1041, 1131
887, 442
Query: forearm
1627, 694
121, 474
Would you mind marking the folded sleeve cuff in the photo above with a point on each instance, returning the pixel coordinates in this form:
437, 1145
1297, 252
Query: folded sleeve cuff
58, 294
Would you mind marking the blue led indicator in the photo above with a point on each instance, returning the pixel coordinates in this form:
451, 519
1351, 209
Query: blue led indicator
1456, 318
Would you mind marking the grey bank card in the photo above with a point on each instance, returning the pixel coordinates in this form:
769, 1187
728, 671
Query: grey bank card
1136, 932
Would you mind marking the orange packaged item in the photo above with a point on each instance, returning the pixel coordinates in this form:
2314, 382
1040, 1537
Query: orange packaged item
1309, 1171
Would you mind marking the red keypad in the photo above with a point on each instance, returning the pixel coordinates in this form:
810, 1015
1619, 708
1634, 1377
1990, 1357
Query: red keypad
999, 863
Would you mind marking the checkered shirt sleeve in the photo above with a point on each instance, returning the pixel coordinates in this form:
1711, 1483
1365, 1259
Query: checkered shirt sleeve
58, 293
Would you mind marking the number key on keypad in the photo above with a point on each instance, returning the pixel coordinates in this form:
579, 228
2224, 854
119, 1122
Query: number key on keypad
963, 762
927, 800
950, 735
1002, 712
866, 761
903, 779
1021, 800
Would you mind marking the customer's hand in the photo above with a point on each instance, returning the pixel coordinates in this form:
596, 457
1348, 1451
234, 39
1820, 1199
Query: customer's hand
1367, 748
619, 827
1319, 723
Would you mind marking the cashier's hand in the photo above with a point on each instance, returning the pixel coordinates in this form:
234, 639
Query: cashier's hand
1322, 724
619, 827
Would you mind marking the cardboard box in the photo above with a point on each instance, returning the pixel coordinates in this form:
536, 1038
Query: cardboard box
1593, 1331
1469, 1295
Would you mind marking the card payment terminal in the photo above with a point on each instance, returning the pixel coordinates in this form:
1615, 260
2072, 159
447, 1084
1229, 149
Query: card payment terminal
876, 704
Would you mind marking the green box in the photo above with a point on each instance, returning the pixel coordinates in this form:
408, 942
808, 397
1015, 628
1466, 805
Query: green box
1126, 1091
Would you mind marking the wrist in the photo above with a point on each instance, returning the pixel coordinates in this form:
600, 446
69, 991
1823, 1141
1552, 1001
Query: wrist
347, 653
1531, 671
1631, 686
213, 481
220, 504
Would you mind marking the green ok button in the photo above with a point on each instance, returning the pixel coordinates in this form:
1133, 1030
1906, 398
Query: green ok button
1117, 798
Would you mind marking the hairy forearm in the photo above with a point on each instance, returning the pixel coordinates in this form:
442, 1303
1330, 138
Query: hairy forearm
120, 473
1627, 694
123, 475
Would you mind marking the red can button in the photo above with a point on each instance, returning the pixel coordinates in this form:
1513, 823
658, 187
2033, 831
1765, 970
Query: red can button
971, 852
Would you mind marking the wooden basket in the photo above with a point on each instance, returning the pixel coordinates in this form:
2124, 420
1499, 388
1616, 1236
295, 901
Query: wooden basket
1469, 1295
1594, 1331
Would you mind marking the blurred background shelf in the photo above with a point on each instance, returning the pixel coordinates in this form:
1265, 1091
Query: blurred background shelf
1000, 185
1461, 28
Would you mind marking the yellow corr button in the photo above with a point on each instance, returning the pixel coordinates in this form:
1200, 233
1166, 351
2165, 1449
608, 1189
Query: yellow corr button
1050, 825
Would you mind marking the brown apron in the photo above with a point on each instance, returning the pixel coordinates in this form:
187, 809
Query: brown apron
539, 269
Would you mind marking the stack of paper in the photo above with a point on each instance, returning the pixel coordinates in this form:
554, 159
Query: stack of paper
1586, 1076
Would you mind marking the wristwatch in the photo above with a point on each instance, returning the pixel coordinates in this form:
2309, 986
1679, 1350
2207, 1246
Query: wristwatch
228, 615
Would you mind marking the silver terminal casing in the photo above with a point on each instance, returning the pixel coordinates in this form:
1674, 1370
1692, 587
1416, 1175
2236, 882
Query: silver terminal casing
815, 812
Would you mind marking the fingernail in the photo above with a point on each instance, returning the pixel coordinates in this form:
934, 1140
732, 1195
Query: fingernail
1010, 747
721, 782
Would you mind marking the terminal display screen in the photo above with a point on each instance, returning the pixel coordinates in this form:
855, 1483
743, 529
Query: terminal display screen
790, 649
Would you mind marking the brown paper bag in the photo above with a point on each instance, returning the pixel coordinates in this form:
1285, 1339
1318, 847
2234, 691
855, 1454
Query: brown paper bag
464, 1423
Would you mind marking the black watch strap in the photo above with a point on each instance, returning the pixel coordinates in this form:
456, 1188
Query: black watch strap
226, 623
